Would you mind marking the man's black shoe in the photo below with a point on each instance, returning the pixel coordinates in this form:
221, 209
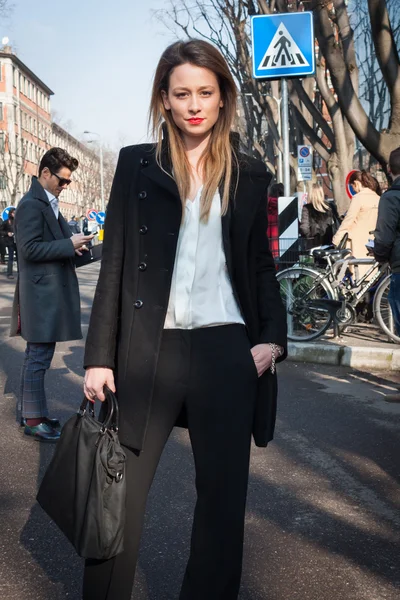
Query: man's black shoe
42, 433
54, 423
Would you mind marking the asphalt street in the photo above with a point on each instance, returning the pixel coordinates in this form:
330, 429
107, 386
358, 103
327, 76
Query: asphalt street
323, 518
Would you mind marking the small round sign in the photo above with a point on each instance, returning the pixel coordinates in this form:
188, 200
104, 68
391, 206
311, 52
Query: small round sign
91, 214
4, 214
101, 217
349, 188
304, 152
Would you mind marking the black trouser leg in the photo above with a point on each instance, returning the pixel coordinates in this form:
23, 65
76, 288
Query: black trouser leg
212, 371
220, 406
113, 579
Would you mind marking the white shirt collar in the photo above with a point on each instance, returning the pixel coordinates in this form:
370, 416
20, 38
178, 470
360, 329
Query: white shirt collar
50, 196
53, 203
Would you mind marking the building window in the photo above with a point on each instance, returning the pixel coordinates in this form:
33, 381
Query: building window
26, 87
2, 141
3, 181
1, 111
15, 74
21, 84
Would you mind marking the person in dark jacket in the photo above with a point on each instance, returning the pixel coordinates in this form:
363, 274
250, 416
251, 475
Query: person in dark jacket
74, 225
9, 240
187, 320
2, 244
387, 235
316, 218
46, 306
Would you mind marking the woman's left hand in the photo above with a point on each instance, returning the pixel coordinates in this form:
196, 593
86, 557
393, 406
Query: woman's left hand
262, 355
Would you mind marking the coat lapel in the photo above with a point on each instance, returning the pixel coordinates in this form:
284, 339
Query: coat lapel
64, 227
162, 177
53, 224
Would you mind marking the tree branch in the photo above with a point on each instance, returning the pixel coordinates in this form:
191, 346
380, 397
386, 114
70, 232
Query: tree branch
347, 97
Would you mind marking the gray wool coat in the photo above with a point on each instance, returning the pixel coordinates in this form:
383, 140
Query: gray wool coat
46, 302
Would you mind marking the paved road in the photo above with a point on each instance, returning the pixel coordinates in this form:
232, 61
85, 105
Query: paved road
323, 514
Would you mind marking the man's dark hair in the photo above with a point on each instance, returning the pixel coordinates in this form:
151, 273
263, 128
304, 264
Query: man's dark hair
57, 158
394, 162
276, 190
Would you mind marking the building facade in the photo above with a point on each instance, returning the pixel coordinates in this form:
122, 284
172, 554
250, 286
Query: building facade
27, 131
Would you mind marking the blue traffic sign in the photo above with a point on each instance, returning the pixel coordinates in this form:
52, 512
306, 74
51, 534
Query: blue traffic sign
4, 214
283, 45
100, 217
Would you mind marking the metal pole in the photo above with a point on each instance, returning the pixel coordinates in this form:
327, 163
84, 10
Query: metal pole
285, 137
102, 178
280, 161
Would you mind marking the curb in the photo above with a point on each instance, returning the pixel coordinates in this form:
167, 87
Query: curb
345, 356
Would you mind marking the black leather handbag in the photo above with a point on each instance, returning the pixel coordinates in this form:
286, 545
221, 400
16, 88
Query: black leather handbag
83, 490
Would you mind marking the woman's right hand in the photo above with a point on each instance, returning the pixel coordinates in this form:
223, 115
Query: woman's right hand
95, 380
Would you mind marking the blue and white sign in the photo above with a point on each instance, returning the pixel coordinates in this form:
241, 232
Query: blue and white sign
101, 217
283, 45
304, 157
4, 214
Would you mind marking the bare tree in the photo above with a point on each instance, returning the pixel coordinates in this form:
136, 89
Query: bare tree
87, 177
336, 40
12, 169
373, 91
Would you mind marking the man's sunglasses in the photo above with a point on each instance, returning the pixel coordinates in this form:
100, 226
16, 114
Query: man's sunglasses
61, 180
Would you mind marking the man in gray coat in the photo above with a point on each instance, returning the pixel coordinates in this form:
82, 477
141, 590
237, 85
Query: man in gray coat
46, 304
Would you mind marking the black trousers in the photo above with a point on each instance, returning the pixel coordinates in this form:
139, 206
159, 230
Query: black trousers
211, 371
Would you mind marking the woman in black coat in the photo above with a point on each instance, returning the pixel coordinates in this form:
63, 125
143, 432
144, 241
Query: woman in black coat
187, 321
317, 218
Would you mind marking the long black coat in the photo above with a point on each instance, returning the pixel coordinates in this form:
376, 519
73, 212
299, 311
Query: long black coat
47, 291
131, 300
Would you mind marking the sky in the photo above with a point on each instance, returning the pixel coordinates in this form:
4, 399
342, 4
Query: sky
97, 56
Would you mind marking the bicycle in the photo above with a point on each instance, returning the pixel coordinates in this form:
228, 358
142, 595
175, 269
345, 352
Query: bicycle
318, 297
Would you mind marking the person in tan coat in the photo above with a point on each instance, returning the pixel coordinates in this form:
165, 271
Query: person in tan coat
361, 217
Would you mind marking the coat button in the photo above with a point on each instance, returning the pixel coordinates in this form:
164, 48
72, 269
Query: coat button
142, 195
143, 230
138, 304
144, 162
142, 266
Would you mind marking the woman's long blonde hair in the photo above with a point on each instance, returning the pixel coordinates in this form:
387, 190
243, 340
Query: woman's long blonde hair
316, 198
217, 159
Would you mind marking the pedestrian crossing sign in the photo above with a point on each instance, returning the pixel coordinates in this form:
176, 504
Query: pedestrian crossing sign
283, 45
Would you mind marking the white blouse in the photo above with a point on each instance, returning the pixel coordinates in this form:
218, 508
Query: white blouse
201, 292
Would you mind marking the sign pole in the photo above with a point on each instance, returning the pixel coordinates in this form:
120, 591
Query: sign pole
285, 136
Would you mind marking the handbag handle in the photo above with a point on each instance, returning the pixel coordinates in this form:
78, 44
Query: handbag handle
111, 419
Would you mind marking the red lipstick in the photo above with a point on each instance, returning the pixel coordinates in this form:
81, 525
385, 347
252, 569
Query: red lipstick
195, 121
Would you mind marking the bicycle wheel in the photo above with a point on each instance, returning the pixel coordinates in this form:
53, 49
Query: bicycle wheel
383, 312
301, 289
